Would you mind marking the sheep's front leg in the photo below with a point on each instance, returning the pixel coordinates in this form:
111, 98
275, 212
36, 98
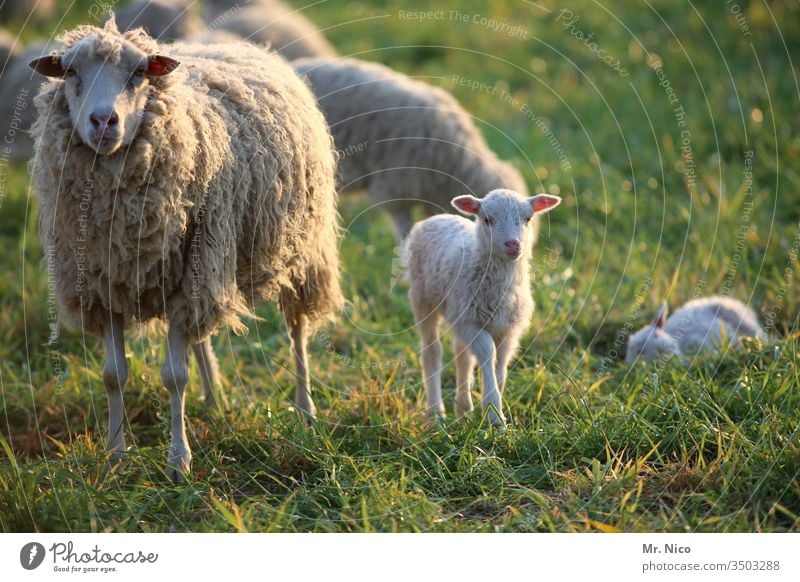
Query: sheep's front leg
208, 368
175, 375
115, 374
482, 345
465, 367
298, 333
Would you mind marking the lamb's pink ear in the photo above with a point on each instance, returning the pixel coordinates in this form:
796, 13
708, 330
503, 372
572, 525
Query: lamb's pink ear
544, 202
661, 316
159, 65
49, 66
467, 204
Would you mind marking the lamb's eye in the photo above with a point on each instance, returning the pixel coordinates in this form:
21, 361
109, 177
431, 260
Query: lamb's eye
527, 220
70, 72
487, 221
139, 72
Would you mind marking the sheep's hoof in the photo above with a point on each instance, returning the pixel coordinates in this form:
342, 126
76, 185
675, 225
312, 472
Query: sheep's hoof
463, 408
495, 419
115, 461
178, 467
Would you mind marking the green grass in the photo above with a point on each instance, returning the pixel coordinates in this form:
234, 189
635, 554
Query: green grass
592, 444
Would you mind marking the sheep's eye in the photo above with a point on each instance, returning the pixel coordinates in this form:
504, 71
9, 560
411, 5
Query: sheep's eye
139, 72
487, 221
70, 72
527, 220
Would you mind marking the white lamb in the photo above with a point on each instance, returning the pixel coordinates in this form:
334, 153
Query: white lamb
701, 325
475, 274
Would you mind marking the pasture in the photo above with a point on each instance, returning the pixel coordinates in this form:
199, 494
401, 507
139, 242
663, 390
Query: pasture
670, 131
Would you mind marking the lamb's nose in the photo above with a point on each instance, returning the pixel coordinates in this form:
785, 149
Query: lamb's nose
100, 120
512, 247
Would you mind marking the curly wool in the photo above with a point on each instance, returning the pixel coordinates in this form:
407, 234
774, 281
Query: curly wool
207, 211
403, 140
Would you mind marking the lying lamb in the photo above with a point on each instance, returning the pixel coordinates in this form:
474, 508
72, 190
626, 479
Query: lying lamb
474, 274
701, 325
405, 142
186, 192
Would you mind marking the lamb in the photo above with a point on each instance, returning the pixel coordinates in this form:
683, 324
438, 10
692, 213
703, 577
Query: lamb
405, 142
164, 20
700, 326
182, 187
475, 275
269, 22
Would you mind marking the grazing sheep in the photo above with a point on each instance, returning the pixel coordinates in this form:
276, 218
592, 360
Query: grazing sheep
405, 142
701, 325
186, 192
8, 49
474, 274
21, 10
164, 20
18, 87
272, 23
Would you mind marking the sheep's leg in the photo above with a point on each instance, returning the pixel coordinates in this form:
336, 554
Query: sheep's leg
115, 374
430, 356
465, 367
402, 221
209, 369
482, 345
298, 333
175, 375
506, 347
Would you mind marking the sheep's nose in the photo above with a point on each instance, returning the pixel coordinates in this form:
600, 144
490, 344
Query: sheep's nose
103, 120
512, 247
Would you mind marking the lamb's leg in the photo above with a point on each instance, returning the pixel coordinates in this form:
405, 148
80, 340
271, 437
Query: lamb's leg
482, 345
430, 356
465, 367
298, 333
208, 368
506, 346
115, 374
175, 375
402, 221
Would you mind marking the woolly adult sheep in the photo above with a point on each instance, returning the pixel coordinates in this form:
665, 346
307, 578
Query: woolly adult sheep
269, 22
701, 325
186, 192
405, 142
475, 275
164, 20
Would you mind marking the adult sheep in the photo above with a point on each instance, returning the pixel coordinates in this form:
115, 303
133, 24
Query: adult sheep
185, 192
164, 20
405, 142
269, 22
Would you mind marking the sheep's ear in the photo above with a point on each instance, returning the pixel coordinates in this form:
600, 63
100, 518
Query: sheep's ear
467, 204
544, 202
49, 66
159, 65
661, 316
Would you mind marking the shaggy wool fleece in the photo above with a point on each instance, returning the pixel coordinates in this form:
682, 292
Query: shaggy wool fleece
225, 196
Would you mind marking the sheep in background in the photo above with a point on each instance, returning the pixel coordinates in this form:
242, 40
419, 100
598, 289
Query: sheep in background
269, 22
21, 10
8, 49
701, 325
183, 191
475, 275
18, 87
164, 20
405, 142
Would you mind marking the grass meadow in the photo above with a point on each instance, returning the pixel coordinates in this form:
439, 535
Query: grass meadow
670, 130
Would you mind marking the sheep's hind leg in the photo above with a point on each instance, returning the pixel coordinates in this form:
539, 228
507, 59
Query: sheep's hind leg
115, 375
298, 334
175, 375
430, 357
208, 369
465, 367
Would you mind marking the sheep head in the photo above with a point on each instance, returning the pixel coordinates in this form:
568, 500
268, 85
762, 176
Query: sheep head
504, 220
652, 342
107, 78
